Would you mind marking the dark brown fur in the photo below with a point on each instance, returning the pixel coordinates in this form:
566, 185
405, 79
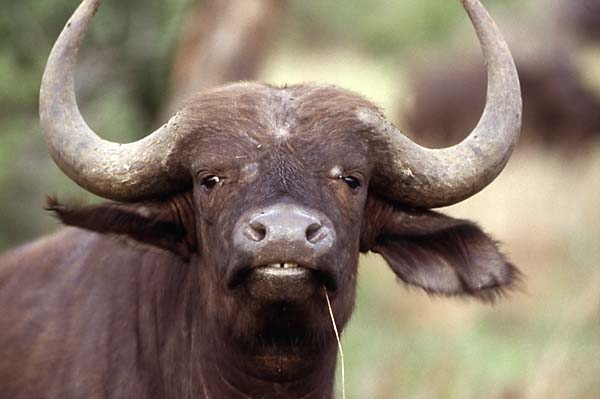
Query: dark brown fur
134, 302
583, 18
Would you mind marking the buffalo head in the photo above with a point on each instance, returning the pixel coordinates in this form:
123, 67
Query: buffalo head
269, 194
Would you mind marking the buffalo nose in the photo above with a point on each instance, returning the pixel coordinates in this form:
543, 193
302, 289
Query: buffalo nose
294, 227
285, 232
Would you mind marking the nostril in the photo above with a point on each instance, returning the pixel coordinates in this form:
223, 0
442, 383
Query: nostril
314, 233
256, 231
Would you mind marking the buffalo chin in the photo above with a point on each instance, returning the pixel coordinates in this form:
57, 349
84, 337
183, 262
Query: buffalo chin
282, 367
290, 338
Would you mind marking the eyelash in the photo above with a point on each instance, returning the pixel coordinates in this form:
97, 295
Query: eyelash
352, 182
209, 182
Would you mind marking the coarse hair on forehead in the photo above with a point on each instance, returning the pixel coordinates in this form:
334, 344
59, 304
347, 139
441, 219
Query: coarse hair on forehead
279, 112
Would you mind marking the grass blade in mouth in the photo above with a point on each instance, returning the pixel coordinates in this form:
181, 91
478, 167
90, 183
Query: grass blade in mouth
337, 336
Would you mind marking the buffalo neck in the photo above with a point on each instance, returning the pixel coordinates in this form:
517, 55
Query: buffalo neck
196, 361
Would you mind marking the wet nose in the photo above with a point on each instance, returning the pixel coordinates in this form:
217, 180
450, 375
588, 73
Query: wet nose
284, 232
287, 226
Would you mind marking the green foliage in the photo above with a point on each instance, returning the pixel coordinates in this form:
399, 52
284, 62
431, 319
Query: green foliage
402, 344
125, 63
382, 27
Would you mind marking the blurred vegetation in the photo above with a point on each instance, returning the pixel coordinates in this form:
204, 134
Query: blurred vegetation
544, 343
381, 27
124, 71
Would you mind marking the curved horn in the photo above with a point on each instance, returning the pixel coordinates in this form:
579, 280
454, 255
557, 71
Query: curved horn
431, 178
124, 172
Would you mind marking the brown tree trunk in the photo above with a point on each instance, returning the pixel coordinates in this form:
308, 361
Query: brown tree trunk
222, 41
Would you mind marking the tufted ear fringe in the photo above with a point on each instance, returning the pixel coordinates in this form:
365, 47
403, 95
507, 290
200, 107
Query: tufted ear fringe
164, 224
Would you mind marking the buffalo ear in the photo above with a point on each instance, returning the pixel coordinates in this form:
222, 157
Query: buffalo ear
442, 255
167, 224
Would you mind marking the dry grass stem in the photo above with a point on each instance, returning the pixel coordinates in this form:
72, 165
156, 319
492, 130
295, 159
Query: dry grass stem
337, 336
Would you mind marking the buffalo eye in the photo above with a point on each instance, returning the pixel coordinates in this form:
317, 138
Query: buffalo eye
209, 182
352, 182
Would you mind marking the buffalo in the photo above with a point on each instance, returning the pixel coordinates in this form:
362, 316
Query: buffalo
562, 109
582, 18
232, 228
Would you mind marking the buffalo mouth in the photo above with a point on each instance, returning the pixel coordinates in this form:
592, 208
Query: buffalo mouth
283, 281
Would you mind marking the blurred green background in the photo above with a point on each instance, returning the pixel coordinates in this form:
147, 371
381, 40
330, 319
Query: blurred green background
543, 342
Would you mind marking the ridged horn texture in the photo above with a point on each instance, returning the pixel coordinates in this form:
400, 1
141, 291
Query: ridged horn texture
430, 178
124, 172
